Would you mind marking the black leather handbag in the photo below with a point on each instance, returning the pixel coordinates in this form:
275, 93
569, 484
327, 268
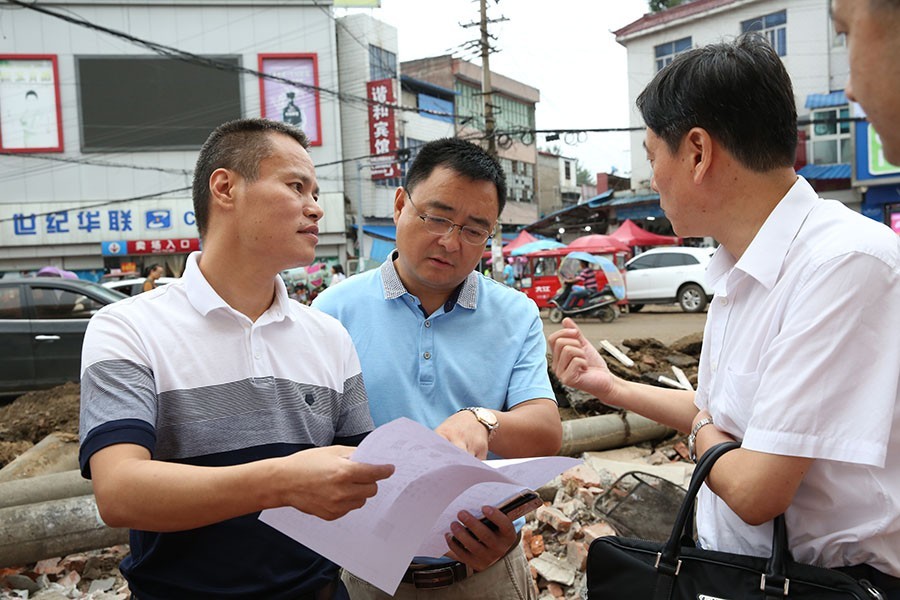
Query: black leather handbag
633, 569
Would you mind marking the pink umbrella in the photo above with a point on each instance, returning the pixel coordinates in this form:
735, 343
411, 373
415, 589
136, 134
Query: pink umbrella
50, 271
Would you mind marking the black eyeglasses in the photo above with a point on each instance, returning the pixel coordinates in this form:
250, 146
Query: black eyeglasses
442, 226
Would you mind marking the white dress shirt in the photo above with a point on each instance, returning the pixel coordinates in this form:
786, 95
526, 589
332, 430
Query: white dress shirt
801, 357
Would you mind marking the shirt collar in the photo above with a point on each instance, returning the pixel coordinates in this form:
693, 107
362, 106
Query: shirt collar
766, 253
204, 298
466, 295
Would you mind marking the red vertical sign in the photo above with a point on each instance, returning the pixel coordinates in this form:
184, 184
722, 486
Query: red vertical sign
382, 134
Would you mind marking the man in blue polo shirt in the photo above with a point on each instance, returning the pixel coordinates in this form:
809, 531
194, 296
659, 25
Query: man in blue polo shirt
463, 354
208, 400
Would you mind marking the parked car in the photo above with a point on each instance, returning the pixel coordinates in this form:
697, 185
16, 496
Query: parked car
133, 286
667, 275
42, 325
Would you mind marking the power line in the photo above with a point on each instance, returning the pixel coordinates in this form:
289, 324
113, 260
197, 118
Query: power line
97, 163
189, 57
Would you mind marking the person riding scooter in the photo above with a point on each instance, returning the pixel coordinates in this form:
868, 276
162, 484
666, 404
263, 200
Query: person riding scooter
588, 287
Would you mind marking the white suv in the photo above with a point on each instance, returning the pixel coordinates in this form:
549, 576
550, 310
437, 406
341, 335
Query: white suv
667, 275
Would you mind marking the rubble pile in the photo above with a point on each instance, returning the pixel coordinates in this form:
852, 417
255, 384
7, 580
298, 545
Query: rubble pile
651, 360
556, 536
34, 416
92, 575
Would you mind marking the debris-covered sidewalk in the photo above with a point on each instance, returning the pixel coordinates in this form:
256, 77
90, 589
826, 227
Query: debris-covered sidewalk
597, 498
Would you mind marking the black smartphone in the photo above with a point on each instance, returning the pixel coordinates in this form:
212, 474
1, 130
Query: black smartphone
519, 505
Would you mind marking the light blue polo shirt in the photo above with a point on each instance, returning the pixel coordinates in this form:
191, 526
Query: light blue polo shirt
486, 348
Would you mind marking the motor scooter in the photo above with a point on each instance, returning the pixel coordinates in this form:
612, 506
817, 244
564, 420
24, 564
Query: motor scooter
601, 304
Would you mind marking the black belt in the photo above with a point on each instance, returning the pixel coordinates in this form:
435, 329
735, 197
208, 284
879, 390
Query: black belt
435, 576
882, 581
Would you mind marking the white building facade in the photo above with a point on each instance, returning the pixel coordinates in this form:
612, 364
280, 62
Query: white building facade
111, 189
803, 35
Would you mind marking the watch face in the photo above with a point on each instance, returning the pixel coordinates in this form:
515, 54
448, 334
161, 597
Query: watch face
486, 417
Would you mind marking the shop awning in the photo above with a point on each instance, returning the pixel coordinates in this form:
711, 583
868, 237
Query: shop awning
819, 172
830, 99
593, 211
384, 232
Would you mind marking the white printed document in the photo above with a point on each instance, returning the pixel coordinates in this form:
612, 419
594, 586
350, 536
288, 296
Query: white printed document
433, 480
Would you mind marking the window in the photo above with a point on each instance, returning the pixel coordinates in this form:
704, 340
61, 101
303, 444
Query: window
50, 303
568, 170
644, 262
667, 52
382, 64
149, 103
11, 303
830, 139
677, 260
508, 113
773, 27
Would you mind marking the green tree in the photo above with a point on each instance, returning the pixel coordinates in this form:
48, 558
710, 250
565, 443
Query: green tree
660, 5
582, 175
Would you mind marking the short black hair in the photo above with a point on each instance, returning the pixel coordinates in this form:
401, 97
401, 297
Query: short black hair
240, 146
739, 92
879, 4
149, 269
465, 158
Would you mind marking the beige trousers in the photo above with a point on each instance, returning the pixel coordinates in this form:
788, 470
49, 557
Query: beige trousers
507, 579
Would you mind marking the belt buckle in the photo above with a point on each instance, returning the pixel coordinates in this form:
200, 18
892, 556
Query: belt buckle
437, 577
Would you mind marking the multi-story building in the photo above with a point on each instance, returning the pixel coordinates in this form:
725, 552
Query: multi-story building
431, 98
802, 33
513, 108
99, 130
556, 181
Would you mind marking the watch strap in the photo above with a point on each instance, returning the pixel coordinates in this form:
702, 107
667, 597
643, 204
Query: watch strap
692, 438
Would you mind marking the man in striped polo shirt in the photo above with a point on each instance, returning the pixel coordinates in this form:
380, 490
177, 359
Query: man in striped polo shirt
208, 400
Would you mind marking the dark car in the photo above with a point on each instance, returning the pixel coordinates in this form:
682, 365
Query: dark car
42, 325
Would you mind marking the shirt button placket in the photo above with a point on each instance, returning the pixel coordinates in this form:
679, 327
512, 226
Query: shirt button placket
426, 364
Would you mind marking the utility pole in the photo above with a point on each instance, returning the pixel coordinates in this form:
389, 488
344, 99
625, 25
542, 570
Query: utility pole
489, 127
487, 97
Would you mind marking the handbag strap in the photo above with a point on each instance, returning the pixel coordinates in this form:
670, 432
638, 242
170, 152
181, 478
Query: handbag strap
668, 559
682, 534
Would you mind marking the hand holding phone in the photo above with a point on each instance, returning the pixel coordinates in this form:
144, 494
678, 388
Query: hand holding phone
519, 505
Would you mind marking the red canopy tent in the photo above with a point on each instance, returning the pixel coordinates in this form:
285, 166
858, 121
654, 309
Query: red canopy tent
631, 234
520, 240
597, 243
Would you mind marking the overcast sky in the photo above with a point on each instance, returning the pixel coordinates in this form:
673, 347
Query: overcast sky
562, 47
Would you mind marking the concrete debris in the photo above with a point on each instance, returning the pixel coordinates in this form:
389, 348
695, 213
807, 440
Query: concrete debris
92, 575
649, 359
557, 536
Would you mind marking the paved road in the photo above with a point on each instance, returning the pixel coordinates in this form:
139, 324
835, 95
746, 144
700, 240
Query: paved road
664, 323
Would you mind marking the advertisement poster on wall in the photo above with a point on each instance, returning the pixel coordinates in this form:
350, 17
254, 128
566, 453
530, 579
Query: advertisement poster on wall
29, 104
292, 95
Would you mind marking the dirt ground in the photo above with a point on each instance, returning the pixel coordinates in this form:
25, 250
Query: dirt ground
664, 323
33, 416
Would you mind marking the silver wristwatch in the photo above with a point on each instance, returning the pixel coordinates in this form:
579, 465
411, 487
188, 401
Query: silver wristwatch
485, 417
692, 438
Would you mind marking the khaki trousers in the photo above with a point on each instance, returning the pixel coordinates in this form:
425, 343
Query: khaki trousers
507, 579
